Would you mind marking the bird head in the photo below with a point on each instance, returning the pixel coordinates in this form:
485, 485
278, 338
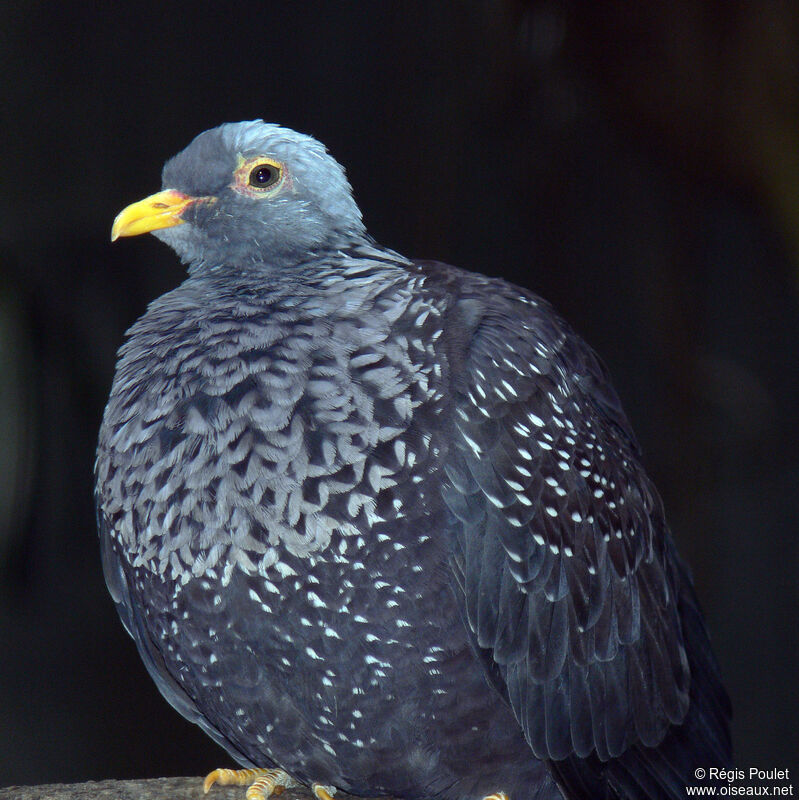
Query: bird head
248, 194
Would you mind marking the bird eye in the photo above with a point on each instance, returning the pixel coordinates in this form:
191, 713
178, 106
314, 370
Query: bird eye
264, 175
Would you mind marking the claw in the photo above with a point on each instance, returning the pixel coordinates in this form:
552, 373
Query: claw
323, 792
261, 783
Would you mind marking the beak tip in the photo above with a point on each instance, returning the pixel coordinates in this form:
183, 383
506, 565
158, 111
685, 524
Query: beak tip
118, 228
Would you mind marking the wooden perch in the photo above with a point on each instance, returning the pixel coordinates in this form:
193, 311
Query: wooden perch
153, 789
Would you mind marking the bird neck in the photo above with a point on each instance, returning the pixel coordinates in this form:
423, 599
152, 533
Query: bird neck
258, 262
345, 278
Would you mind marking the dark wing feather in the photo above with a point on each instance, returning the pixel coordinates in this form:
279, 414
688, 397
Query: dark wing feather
117, 581
568, 571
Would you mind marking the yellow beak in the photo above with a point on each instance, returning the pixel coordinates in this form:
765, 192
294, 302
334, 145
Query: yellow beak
161, 210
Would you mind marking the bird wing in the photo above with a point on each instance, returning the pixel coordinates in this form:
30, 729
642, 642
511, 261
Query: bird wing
561, 549
116, 579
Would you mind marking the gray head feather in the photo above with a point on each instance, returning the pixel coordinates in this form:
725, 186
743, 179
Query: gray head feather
313, 209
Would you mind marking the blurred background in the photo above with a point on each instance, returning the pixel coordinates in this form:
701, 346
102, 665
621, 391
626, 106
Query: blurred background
635, 163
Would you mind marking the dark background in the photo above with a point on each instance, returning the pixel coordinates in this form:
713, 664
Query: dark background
635, 163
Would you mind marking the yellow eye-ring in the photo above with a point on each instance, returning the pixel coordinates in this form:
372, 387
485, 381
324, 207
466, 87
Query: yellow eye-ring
260, 175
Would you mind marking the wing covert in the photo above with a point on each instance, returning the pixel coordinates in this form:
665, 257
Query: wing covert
131, 614
563, 552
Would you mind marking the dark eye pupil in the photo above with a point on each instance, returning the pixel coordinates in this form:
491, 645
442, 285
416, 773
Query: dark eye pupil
263, 176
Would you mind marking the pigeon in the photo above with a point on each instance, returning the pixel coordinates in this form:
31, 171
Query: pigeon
381, 525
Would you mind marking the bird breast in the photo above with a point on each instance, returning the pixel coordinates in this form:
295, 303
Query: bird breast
234, 435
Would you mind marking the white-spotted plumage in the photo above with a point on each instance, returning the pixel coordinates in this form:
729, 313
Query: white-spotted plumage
384, 522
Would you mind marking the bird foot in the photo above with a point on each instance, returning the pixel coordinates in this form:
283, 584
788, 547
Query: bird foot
262, 783
322, 792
